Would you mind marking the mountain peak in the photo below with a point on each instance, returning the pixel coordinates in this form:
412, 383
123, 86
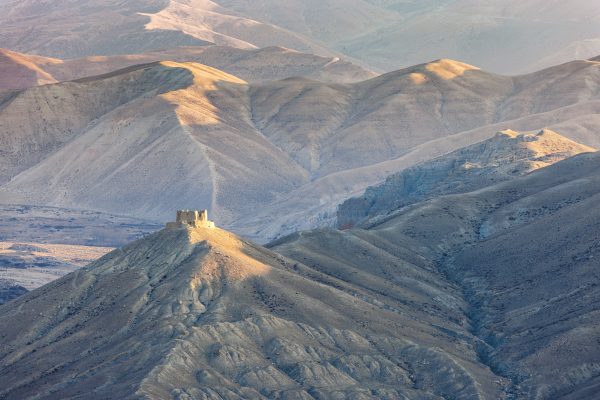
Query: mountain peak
446, 68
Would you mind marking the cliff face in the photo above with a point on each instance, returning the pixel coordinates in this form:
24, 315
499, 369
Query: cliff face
507, 155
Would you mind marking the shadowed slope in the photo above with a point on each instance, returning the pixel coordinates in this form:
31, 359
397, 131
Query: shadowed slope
506, 155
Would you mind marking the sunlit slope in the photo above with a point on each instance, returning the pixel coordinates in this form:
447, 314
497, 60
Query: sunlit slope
204, 314
20, 71
175, 143
267, 158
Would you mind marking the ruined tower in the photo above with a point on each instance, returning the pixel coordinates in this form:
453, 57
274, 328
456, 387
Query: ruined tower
191, 219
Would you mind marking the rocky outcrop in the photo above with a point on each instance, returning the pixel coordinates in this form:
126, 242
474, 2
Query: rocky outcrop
507, 155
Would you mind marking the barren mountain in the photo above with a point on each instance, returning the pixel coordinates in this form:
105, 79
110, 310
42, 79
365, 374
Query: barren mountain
487, 294
201, 313
501, 36
20, 71
500, 158
523, 254
147, 139
68, 29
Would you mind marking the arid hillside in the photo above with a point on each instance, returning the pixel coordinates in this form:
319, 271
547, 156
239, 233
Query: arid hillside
267, 158
522, 253
486, 294
20, 71
506, 155
203, 314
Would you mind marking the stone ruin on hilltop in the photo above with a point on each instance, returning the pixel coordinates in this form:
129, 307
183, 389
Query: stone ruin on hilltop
191, 219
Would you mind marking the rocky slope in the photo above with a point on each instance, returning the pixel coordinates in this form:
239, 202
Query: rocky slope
523, 254
20, 71
382, 34
486, 294
257, 154
500, 158
203, 314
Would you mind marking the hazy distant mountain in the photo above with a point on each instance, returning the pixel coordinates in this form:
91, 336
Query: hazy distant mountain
267, 158
487, 294
506, 155
20, 71
498, 35
501, 36
70, 29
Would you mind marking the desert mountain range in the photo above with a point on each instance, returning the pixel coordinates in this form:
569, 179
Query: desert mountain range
267, 158
384, 35
388, 227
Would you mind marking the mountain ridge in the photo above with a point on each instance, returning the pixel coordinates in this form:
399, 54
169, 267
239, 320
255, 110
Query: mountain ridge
307, 133
234, 308
499, 158
22, 71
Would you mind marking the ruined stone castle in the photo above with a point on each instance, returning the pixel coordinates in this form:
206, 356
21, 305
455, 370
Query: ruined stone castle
191, 219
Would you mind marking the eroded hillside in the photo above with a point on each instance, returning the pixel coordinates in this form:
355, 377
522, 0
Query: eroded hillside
486, 294
267, 158
506, 155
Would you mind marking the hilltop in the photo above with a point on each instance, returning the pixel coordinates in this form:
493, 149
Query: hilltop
203, 313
